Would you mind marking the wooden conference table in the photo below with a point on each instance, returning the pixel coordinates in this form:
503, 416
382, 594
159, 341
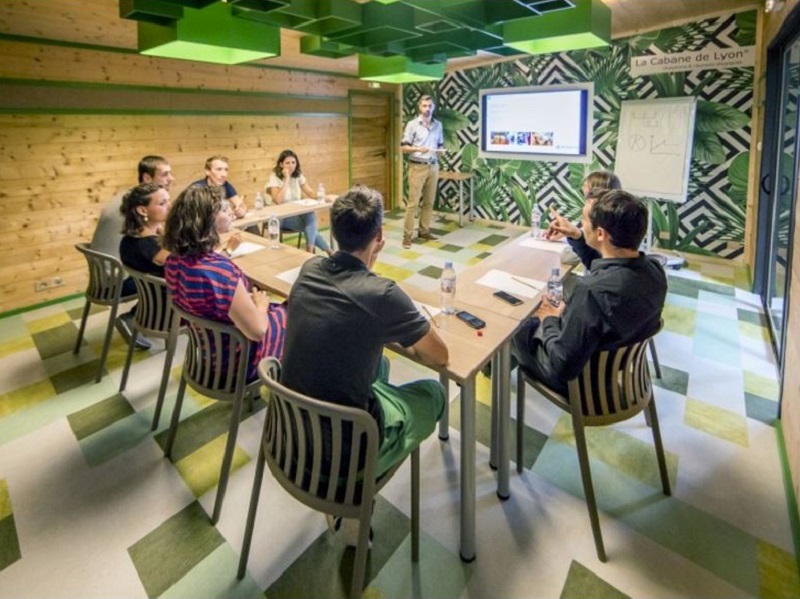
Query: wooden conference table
284, 210
275, 270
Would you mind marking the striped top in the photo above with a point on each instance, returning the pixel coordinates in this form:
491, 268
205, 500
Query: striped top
204, 286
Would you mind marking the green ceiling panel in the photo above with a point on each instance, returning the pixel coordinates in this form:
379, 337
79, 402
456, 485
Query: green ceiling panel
334, 16
380, 25
587, 25
424, 32
259, 5
397, 69
152, 11
317, 46
191, 3
210, 34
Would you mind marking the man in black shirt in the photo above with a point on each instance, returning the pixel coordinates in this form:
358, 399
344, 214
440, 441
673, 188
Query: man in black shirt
617, 302
341, 316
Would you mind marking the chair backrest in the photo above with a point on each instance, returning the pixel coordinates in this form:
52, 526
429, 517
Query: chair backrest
217, 357
614, 385
154, 313
324, 454
106, 275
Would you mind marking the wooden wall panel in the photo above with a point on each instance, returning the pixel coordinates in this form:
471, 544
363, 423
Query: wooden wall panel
79, 107
45, 62
60, 170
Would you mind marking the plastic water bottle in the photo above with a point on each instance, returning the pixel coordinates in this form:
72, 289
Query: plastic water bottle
448, 286
321, 193
274, 228
258, 203
555, 290
536, 222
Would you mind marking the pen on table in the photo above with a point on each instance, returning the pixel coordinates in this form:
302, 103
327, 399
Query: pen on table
532, 286
428, 312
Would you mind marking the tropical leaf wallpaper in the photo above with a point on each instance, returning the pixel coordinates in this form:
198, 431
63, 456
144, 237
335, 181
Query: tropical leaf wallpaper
711, 221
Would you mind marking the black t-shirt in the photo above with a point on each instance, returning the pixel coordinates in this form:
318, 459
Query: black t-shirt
340, 317
138, 253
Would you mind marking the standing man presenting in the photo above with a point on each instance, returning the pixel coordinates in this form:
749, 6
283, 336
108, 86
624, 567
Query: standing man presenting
423, 140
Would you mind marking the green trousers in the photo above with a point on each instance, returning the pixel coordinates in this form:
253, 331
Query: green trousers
410, 413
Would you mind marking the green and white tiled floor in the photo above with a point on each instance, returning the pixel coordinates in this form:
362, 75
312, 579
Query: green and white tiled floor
90, 508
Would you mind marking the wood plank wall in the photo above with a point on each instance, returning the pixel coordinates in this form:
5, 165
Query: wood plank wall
75, 120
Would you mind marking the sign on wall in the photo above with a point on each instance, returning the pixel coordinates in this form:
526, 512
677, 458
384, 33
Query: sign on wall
711, 58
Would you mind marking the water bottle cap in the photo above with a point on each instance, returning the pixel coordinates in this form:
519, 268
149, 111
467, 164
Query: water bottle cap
448, 264
555, 271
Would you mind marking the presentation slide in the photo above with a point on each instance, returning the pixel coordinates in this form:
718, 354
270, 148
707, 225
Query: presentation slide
540, 122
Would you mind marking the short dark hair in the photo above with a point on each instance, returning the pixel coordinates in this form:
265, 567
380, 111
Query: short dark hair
189, 230
356, 218
149, 164
210, 160
425, 97
283, 156
622, 215
136, 196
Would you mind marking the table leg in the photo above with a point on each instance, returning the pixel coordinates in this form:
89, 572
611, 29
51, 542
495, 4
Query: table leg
494, 419
503, 401
460, 203
471, 198
468, 487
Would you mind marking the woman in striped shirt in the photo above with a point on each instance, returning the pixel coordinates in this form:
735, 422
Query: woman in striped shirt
205, 282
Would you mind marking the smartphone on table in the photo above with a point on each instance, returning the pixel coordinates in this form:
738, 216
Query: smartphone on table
508, 298
470, 319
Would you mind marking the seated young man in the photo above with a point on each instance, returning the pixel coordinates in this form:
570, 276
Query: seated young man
343, 314
617, 302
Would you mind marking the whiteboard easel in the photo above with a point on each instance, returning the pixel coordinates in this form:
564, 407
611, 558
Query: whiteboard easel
654, 149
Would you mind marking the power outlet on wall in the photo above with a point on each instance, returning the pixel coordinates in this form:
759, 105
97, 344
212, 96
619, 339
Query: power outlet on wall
41, 285
56, 282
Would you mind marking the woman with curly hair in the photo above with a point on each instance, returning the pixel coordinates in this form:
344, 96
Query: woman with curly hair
205, 282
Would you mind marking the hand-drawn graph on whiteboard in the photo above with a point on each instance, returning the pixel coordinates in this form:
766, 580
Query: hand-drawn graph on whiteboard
654, 147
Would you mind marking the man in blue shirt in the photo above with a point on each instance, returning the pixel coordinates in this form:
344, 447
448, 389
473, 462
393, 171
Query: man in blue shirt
423, 140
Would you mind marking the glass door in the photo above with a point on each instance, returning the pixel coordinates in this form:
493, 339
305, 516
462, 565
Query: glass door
783, 193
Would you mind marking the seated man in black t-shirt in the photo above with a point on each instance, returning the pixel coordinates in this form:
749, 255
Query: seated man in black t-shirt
340, 318
617, 302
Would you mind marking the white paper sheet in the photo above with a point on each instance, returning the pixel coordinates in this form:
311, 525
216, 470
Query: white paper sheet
432, 310
502, 280
307, 202
543, 244
290, 276
247, 247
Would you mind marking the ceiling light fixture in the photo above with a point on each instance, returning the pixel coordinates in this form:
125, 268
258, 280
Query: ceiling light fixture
587, 25
210, 34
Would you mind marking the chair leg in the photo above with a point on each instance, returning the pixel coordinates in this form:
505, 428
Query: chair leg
654, 356
588, 487
82, 327
415, 505
106, 343
236, 415
176, 418
128, 359
662, 460
251, 512
162, 388
520, 419
360, 562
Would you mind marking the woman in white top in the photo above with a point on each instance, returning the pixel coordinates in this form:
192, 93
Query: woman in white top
288, 184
